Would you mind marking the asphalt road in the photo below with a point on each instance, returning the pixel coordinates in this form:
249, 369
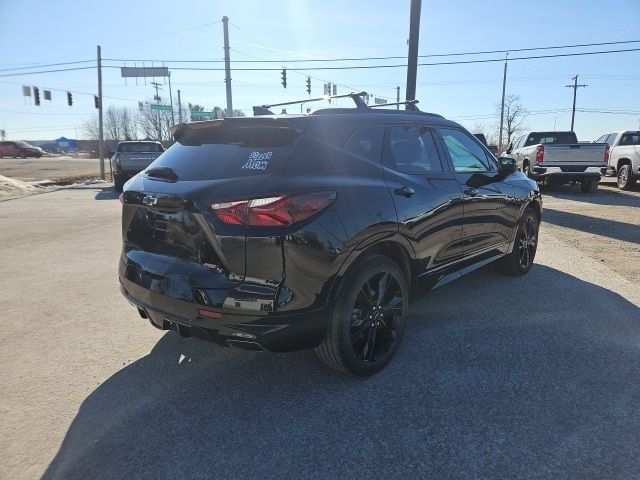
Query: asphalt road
497, 377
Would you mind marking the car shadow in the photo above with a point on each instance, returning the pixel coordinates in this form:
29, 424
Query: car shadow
627, 232
107, 193
602, 196
524, 377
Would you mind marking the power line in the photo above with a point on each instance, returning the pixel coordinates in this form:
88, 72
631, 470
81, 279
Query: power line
46, 71
359, 59
45, 65
400, 65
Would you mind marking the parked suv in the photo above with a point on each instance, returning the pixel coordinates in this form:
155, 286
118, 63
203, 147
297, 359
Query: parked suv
624, 156
285, 232
19, 149
132, 157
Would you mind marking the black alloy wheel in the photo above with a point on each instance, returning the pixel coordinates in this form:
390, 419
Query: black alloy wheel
527, 242
376, 317
520, 260
368, 319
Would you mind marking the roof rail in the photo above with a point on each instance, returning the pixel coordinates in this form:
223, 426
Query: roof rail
410, 105
355, 96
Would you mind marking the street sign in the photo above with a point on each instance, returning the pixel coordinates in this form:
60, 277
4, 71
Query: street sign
165, 108
144, 72
202, 114
379, 101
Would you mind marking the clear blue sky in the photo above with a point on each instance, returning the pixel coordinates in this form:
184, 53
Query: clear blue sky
33, 32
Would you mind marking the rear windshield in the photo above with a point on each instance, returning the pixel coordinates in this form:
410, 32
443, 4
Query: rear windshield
552, 138
630, 139
140, 147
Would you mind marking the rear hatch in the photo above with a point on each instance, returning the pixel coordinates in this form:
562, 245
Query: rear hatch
169, 227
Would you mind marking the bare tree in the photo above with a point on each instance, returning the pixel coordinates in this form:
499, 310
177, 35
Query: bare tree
514, 116
155, 124
489, 133
127, 121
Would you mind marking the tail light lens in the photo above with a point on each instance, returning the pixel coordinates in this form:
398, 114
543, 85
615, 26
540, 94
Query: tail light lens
607, 148
540, 154
280, 211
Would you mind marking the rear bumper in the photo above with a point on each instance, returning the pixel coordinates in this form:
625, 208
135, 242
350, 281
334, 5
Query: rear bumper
171, 302
557, 174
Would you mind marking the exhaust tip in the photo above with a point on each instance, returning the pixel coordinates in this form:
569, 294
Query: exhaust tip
245, 345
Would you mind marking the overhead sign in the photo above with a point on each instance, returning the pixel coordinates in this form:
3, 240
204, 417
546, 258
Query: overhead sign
379, 101
164, 108
144, 71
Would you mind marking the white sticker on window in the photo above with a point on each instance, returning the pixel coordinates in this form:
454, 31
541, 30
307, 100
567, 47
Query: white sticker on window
257, 161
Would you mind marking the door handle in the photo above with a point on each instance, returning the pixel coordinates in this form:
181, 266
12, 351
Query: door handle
404, 191
471, 192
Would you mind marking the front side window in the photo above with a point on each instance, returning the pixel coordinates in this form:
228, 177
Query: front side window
466, 154
413, 150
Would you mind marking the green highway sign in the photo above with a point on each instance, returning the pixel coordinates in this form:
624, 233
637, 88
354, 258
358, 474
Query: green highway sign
166, 108
202, 114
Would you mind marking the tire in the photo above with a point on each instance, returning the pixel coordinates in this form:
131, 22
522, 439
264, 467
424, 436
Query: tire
520, 260
365, 328
526, 170
589, 186
23, 155
626, 179
117, 183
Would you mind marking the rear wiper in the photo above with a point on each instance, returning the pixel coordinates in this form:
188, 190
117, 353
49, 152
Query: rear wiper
162, 172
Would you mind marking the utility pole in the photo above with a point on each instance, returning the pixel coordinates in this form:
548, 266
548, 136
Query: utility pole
157, 87
414, 36
397, 97
100, 124
504, 87
575, 87
173, 119
179, 108
227, 65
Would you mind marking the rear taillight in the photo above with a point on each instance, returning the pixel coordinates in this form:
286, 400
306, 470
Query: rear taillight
280, 211
606, 154
540, 154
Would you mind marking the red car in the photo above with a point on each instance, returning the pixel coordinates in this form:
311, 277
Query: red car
19, 149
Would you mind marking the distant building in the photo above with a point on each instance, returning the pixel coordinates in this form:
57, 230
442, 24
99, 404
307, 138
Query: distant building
66, 144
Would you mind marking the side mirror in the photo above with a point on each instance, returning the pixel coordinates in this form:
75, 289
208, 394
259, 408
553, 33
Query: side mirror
507, 165
510, 148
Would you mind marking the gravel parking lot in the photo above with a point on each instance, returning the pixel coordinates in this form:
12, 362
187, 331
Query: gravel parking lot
533, 377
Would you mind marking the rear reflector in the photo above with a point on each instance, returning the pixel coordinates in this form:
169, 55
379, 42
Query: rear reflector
209, 313
606, 154
280, 211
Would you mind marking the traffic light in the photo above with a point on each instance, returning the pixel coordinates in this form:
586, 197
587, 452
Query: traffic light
36, 96
69, 99
309, 85
96, 101
284, 77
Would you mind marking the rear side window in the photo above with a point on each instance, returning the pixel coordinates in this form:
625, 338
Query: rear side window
630, 139
466, 154
366, 142
140, 147
603, 138
551, 138
412, 150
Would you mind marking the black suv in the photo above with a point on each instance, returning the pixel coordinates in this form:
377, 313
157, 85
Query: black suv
285, 232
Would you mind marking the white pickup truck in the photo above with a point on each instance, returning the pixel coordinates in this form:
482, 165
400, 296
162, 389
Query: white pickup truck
624, 156
557, 158
132, 157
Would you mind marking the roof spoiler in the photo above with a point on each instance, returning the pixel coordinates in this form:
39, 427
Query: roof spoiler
193, 129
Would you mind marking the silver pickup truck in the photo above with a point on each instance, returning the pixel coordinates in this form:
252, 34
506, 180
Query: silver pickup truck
557, 158
133, 157
624, 156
